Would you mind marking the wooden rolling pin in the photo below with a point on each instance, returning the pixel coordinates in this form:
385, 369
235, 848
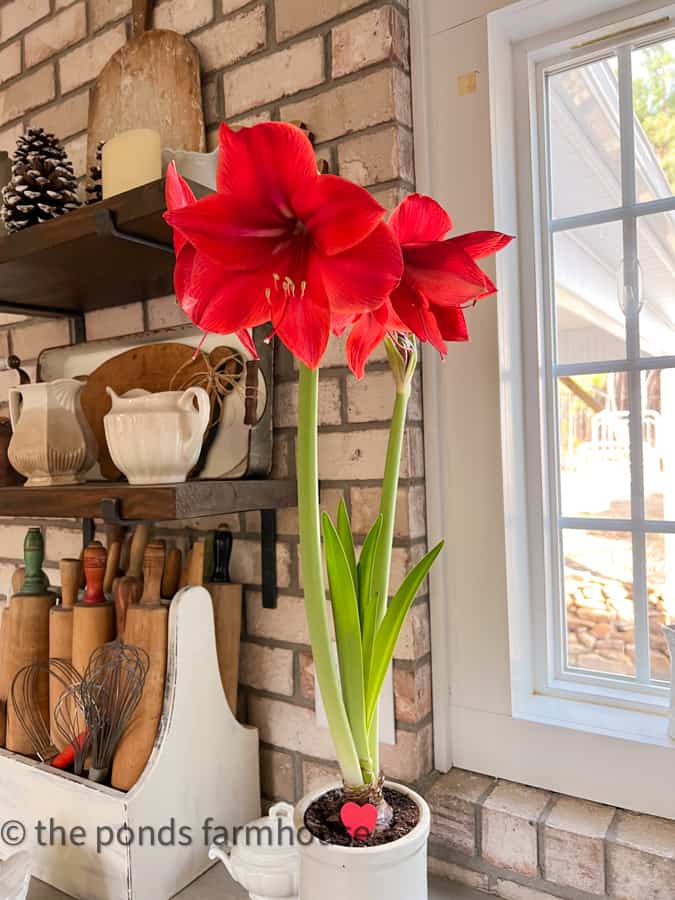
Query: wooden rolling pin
147, 627
61, 634
172, 572
138, 544
128, 590
94, 616
195, 573
112, 566
227, 613
18, 578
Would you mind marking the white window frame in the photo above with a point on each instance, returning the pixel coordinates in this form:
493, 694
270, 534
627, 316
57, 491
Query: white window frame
609, 745
543, 450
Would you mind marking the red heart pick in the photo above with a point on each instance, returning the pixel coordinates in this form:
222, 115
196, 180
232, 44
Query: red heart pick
359, 821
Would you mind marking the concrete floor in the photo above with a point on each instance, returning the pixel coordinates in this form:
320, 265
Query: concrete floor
216, 885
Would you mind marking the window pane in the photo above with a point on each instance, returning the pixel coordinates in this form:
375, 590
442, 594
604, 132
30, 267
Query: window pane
594, 445
590, 323
656, 252
584, 139
600, 621
658, 443
661, 586
654, 105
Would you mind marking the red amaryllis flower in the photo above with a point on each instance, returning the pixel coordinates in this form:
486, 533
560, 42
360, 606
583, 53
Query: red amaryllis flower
439, 279
278, 242
179, 194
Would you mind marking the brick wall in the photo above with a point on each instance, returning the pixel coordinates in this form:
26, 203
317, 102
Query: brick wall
341, 66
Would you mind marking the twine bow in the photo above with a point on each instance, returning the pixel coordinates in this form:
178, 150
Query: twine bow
217, 382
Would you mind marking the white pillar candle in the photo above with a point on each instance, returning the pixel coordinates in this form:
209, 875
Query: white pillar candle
131, 159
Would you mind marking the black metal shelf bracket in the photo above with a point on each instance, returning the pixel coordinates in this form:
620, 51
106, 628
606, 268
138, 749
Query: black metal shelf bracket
268, 549
111, 513
107, 228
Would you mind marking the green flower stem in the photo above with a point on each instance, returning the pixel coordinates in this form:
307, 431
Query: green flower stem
312, 574
388, 499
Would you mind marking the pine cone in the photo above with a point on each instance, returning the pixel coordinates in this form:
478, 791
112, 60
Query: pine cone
95, 186
43, 184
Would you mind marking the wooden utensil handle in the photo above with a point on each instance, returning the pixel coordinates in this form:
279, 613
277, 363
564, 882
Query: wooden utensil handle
222, 550
142, 16
71, 572
153, 568
95, 557
138, 545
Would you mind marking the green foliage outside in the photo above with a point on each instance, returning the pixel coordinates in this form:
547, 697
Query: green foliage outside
654, 102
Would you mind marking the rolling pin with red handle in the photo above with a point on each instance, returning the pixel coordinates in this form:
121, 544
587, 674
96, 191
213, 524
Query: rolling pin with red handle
94, 616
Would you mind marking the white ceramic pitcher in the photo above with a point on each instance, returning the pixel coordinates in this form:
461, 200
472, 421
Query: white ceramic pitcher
669, 631
157, 438
52, 441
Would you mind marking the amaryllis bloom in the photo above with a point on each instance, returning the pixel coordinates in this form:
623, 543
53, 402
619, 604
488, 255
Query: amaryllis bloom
280, 243
440, 278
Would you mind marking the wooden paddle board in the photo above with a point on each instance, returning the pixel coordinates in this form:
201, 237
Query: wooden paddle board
152, 82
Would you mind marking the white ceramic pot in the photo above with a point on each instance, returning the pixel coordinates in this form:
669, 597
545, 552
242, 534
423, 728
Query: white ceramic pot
264, 858
157, 438
669, 631
396, 871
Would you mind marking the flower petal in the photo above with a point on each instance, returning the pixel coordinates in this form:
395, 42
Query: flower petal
266, 165
182, 272
367, 332
224, 301
451, 322
246, 339
303, 324
178, 194
419, 218
337, 213
482, 243
231, 235
359, 279
413, 309
445, 273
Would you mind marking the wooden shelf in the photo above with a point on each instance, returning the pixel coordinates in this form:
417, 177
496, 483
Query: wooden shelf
161, 503
74, 264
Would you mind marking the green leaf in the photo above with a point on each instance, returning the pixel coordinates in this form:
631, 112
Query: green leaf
367, 602
347, 635
344, 530
389, 630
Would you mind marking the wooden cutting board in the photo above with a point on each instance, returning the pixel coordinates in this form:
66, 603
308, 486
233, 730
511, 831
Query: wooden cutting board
152, 368
151, 82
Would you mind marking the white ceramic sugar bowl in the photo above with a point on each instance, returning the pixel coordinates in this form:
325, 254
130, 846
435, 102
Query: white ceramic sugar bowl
156, 438
264, 859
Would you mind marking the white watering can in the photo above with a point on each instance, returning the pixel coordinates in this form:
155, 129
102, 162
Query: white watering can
264, 859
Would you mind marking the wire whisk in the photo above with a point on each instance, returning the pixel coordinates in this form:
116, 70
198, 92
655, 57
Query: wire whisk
70, 725
110, 691
30, 692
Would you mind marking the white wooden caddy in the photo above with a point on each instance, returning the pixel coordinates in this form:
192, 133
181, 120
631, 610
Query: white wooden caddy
204, 765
